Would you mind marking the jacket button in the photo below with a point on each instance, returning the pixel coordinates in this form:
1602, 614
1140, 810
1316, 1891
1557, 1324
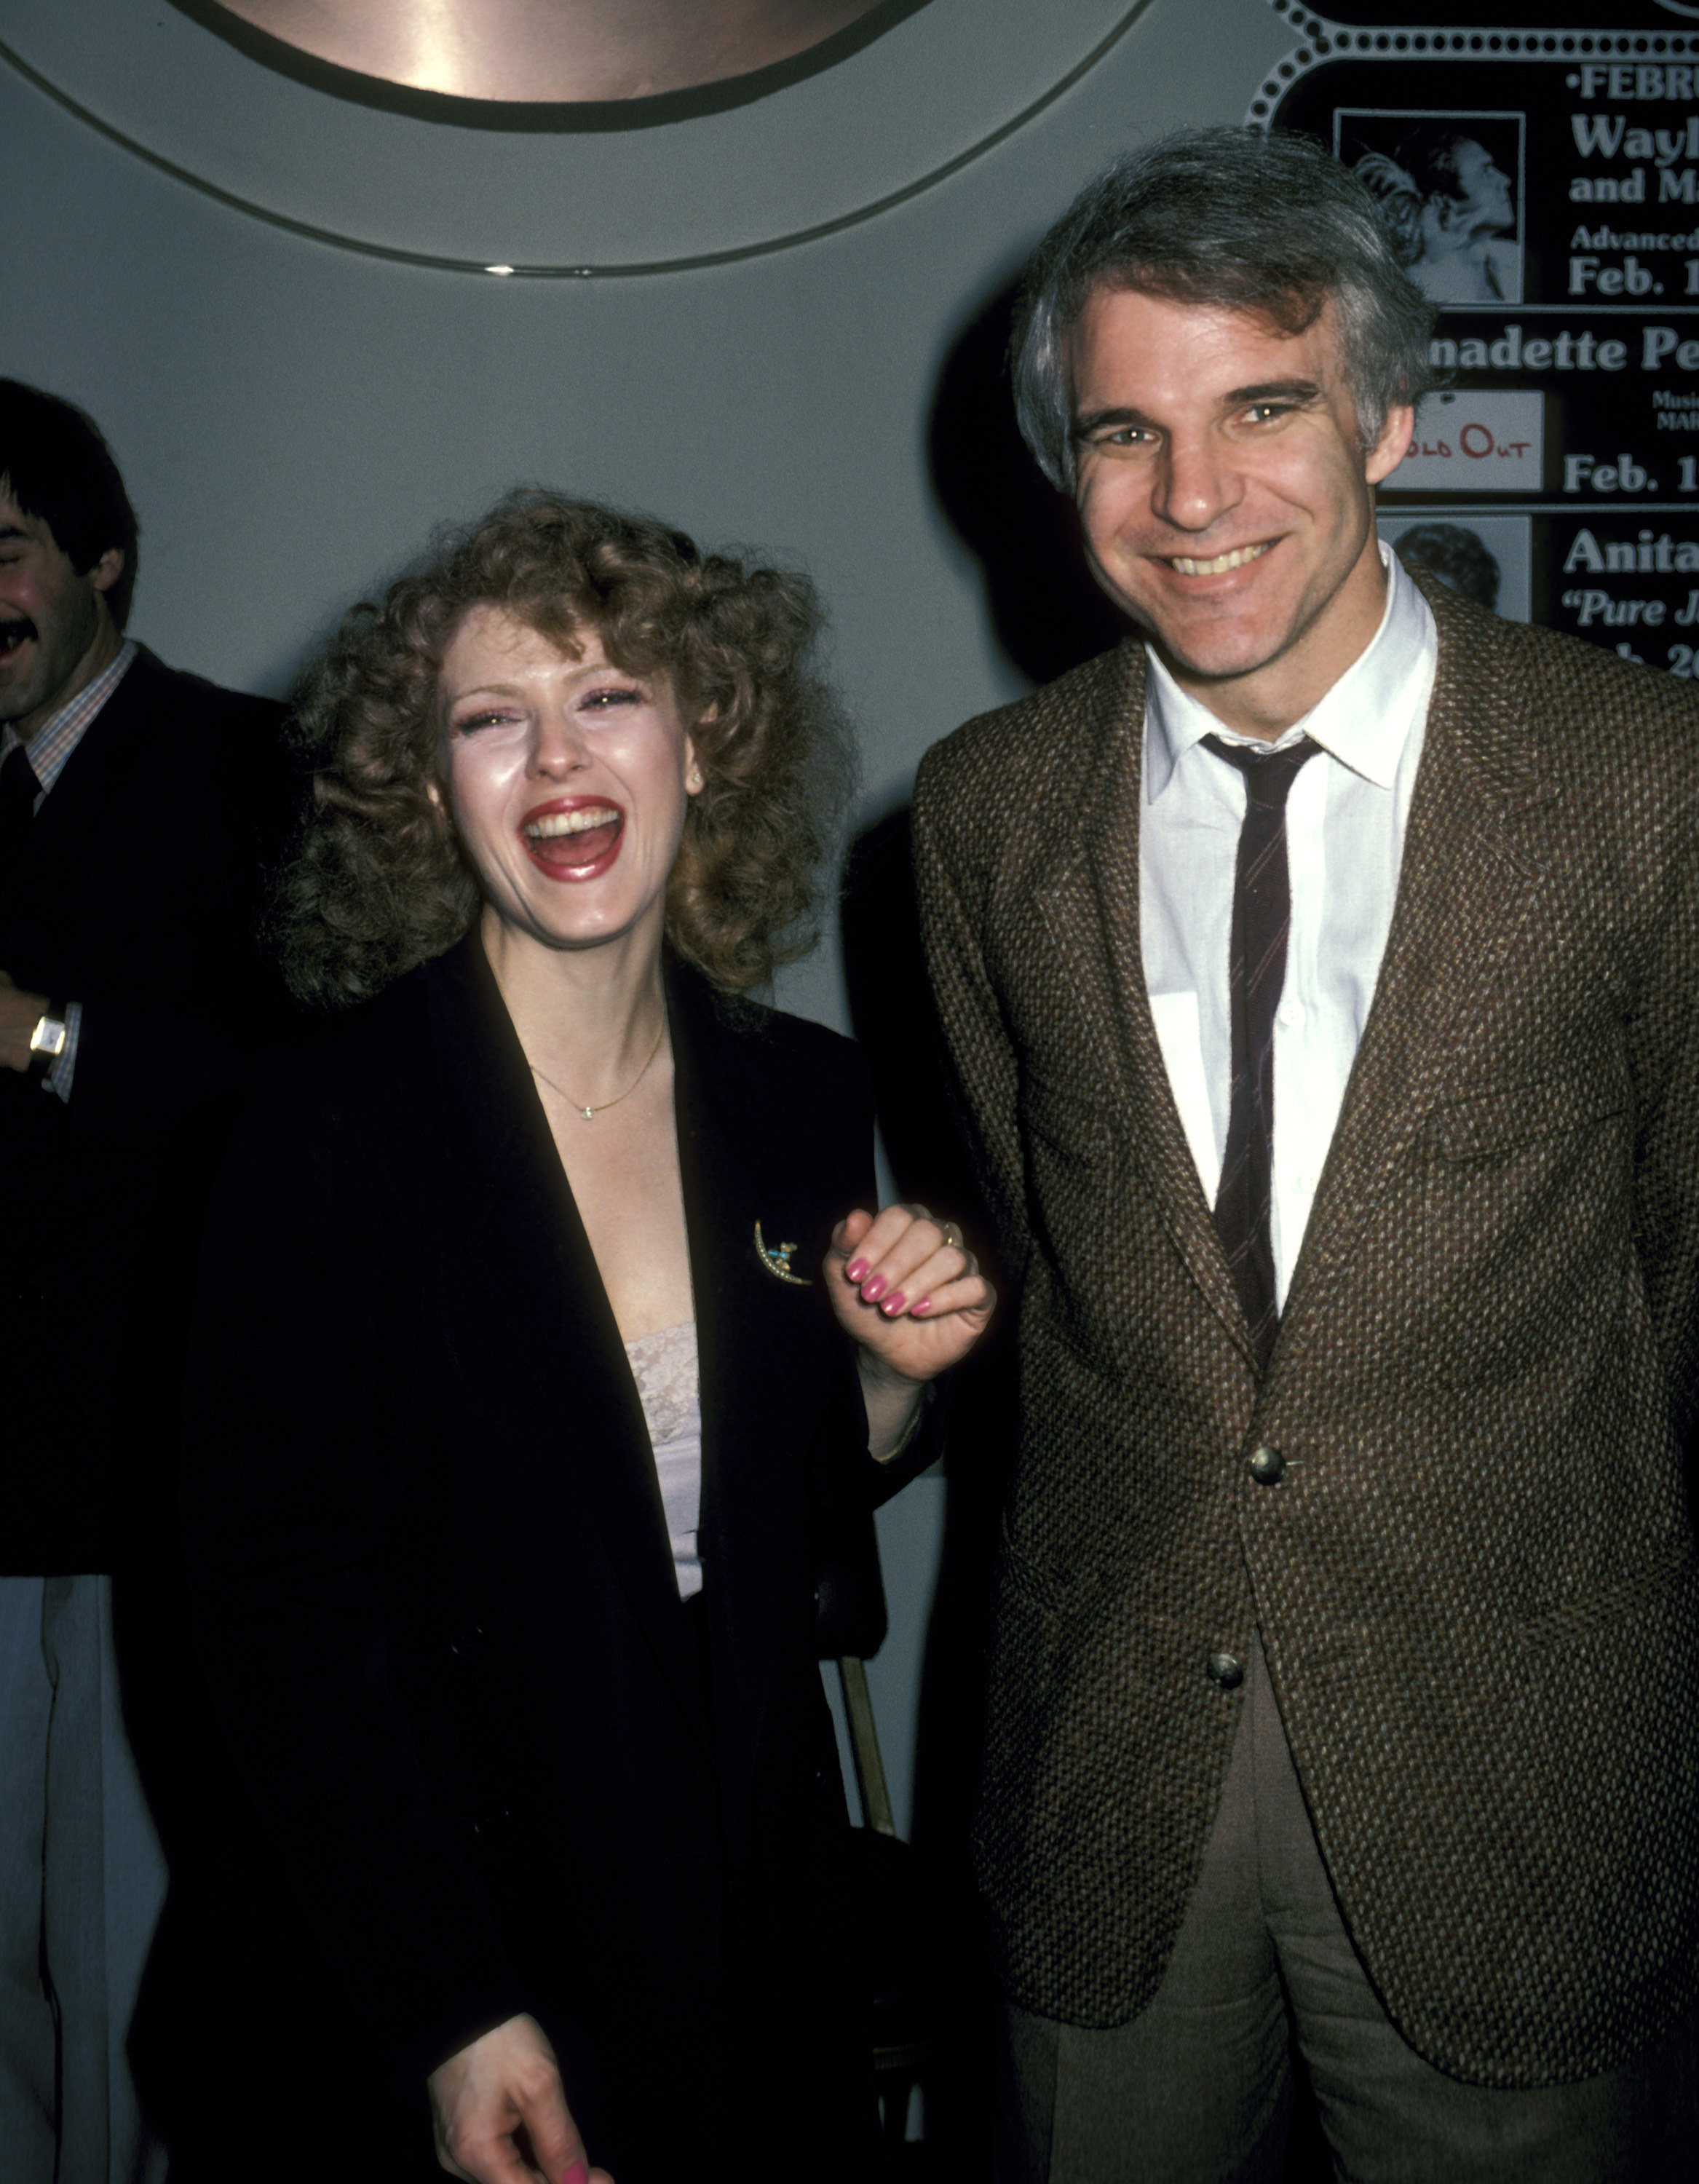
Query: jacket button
1226, 1670
1268, 1465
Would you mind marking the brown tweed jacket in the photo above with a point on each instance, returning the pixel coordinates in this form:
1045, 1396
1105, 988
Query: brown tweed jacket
1476, 1581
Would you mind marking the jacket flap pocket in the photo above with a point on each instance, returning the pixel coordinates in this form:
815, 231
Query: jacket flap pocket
1495, 1118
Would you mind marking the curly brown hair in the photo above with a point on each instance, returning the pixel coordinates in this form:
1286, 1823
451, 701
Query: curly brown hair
377, 884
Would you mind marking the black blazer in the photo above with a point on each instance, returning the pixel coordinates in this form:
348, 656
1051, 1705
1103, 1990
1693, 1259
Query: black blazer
487, 1771
134, 895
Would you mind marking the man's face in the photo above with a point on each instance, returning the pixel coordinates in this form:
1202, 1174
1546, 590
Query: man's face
1225, 499
54, 624
1483, 187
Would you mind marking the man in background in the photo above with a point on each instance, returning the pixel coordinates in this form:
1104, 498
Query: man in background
130, 801
1322, 978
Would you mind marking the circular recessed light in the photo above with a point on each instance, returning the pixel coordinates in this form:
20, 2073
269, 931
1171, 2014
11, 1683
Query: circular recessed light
905, 95
572, 51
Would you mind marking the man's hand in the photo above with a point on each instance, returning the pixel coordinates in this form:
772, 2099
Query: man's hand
506, 2083
19, 1014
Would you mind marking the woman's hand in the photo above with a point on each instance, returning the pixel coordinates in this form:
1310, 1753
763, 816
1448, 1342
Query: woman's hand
481, 2096
911, 1295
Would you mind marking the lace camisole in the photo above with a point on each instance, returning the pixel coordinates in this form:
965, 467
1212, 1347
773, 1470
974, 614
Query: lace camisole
664, 1366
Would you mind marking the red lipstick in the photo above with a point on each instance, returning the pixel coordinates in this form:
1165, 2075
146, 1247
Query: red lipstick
573, 837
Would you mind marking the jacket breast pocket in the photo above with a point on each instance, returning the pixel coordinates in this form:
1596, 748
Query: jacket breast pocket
1525, 1223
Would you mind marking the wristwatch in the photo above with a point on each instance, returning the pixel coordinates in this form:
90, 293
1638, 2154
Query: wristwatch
48, 1040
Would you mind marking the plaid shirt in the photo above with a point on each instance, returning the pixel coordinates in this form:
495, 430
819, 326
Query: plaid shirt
50, 750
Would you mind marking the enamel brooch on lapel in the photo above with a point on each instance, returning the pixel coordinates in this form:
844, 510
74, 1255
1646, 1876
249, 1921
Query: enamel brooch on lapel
776, 1258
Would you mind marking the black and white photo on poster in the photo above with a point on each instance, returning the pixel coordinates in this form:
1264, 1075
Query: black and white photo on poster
1448, 188
1486, 556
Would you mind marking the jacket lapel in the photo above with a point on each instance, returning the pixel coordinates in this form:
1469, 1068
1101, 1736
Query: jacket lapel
545, 1301
1468, 882
1090, 903
749, 1328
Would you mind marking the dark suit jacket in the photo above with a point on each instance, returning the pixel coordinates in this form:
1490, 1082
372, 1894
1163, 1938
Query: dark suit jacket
135, 896
438, 1605
1476, 1580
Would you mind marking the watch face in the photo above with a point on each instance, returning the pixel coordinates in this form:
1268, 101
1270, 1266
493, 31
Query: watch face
49, 1038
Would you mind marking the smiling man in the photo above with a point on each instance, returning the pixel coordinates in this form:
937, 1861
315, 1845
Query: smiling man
128, 996
1321, 972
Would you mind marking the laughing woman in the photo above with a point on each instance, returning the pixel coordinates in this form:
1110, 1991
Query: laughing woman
544, 1328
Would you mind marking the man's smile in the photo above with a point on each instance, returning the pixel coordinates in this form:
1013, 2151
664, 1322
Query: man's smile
1187, 567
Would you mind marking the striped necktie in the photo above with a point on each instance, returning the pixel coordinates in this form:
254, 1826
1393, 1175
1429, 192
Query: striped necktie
1256, 971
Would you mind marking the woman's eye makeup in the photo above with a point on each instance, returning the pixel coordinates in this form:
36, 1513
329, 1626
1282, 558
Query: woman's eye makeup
602, 697
490, 717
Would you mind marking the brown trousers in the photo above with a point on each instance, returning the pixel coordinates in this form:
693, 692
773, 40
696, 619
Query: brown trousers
1198, 2089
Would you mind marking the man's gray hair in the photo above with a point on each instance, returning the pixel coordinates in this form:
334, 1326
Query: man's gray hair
1270, 225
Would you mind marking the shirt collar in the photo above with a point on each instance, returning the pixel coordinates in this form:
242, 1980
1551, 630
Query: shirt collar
1363, 721
58, 736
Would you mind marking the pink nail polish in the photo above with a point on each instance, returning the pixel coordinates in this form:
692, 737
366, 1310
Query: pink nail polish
894, 1303
856, 1271
876, 1289
577, 2173
920, 1311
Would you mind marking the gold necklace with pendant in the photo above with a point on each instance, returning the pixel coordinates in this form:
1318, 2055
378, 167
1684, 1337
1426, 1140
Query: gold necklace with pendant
589, 1114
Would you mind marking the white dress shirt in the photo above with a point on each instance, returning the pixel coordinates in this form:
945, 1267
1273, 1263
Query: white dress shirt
1345, 840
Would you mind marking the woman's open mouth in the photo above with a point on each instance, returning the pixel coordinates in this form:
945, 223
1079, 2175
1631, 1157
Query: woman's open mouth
577, 842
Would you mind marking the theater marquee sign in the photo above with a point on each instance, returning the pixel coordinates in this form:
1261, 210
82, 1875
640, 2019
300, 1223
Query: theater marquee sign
1539, 173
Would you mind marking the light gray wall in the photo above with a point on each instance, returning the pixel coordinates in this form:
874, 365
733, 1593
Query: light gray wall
291, 418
